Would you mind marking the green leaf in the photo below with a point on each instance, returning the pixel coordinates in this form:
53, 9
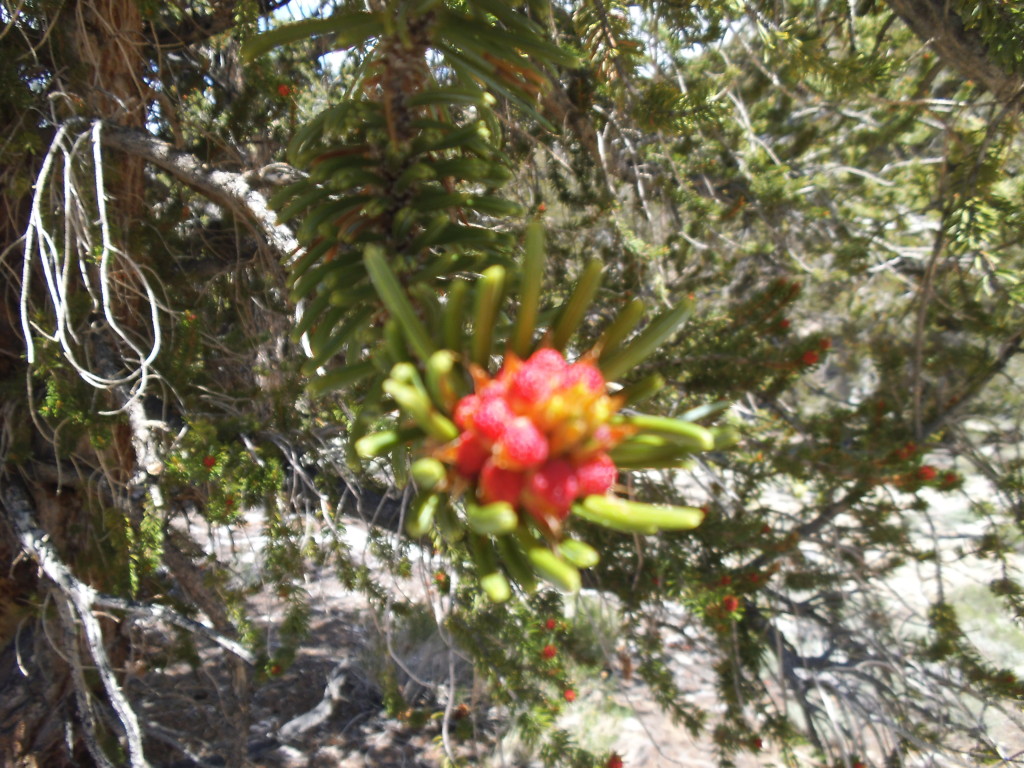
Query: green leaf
350, 29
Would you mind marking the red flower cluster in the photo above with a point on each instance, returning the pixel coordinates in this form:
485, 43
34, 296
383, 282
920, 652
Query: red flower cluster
536, 436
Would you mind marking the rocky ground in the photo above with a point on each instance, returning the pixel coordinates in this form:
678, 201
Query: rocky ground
326, 709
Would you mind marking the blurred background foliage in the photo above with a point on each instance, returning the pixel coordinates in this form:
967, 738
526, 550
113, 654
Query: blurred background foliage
833, 184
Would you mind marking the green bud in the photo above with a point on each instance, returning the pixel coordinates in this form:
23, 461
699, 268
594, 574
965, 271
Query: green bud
491, 519
686, 434
636, 517
421, 515
554, 570
428, 473
377, 443
496, 587
579, 553
725, 437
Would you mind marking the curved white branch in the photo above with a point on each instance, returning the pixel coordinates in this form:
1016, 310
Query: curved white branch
83, 598
230, 190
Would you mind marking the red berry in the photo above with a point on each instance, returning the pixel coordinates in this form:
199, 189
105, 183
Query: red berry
521, 445
726, 580
783, 324
949, 479
284, 90
810, 357
614, 761
275, 669
906, 451
551, 490
926, 473
464, 411
536, 380
530, 388
470, 454
570, 695
586, 376
825, 344
756, 743
550, 624
491, 417
549, 651
497, 484
209, 461
859, 764
730, 603
597, 475
548, 359
229, 501
494, 388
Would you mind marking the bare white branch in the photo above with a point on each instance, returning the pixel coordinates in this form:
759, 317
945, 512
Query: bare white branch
230, 190
82, 598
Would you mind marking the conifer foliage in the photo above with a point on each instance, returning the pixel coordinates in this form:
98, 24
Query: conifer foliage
645, 336
402, 197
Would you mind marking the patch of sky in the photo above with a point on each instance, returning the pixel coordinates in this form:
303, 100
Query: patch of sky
297, 10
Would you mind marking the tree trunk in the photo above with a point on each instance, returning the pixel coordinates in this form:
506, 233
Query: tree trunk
50, 710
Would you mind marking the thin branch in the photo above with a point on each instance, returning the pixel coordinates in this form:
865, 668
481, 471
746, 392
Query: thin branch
229, 190
198, 29
935, 22
165, 614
